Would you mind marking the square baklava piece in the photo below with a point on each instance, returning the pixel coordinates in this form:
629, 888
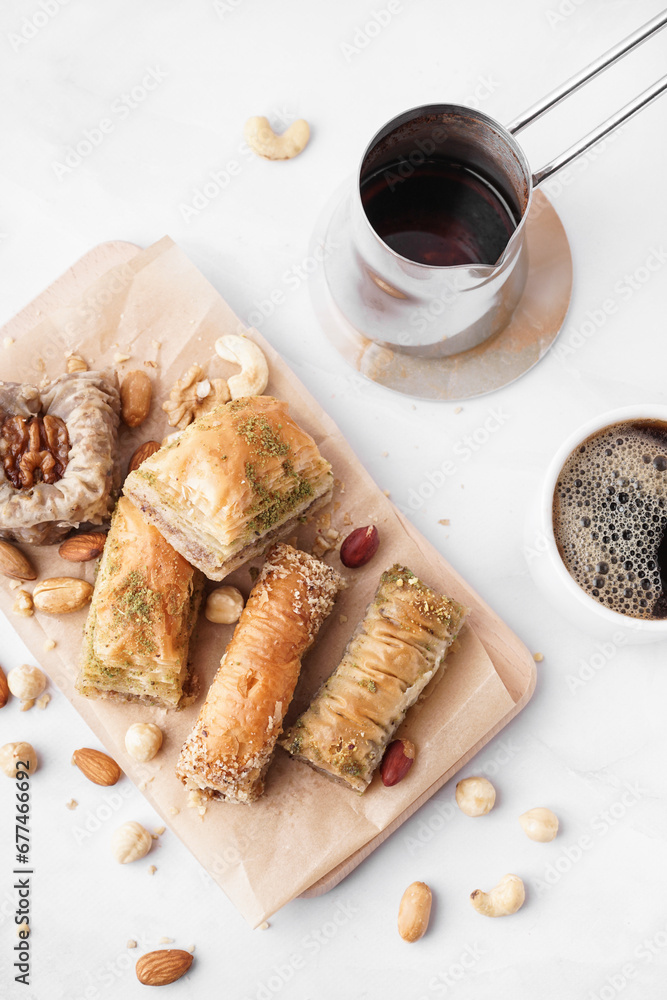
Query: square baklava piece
233, 482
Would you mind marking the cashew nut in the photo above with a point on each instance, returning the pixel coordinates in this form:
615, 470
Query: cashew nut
539, 824
475, 796
263, 140
507, 897
254, 375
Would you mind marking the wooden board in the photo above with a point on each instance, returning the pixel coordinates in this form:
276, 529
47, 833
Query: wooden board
511, 659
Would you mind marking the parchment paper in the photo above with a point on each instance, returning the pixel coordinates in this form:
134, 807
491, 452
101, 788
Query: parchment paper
161, 311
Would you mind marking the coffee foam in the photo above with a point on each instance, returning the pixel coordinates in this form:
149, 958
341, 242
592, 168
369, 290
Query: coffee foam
610, 514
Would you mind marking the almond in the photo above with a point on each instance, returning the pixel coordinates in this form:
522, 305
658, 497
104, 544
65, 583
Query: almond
158, 968
4, 689
14, 564
98, 767
60, 595
143, 452
414, 911
81, 548
397, 761
359, 547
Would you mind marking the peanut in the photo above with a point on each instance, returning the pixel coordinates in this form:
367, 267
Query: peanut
136, 392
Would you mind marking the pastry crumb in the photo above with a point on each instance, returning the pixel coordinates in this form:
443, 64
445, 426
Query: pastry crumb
131, 943
15, 584
49, 645
118, 358
43, 701
173, 811
191, 949
166, 940
152, 869
347, 519
538, 657
458, 409
72, 804
385, 454
22, 928
386, 493
342, 619
265, 926
23, 605
8, 341
443, 520
145, 783
160, 830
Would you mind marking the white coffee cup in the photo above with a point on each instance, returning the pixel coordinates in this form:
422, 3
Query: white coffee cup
548, 569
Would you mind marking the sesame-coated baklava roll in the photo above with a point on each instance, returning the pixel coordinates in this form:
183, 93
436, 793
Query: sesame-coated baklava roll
232, 742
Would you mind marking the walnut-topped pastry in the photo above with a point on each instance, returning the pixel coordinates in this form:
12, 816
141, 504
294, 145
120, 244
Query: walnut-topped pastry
233, 481
58, 455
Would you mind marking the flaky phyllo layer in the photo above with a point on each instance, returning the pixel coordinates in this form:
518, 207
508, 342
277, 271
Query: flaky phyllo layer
142, 615
232, 742
397, 649
234, 478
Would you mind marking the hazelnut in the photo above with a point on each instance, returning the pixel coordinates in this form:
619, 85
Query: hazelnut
13, 752
130, 842
539, 824
224, 605
143, 740
475, 796
26, 682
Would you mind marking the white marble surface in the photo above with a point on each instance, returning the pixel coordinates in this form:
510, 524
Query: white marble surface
592, 744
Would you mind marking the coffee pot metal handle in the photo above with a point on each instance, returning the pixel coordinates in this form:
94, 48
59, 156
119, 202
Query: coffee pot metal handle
603, 62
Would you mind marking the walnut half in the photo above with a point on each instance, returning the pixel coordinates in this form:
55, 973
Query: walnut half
192, 395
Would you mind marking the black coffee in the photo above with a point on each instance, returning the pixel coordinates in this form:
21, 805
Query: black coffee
610, 516
438, 213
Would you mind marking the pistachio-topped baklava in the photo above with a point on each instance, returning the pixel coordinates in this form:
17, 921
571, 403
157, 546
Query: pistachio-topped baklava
396, 650
142, 614
234, 481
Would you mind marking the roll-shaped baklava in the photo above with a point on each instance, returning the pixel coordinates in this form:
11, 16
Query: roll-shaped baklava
142, 614
395, 651
232, 742
234, 481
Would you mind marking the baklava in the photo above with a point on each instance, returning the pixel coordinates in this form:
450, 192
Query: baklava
141, 618
396, 650
230, 747
235, 480
59, 463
